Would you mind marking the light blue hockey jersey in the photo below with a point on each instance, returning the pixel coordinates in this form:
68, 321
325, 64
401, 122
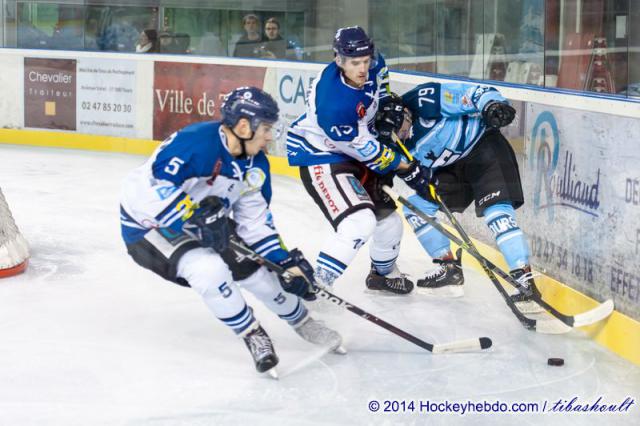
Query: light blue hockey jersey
338, 124
447, 120
190, 165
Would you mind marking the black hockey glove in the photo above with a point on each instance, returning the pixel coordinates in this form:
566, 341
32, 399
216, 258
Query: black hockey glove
498, 114
302, 272
418, 178
389, 118
209, 224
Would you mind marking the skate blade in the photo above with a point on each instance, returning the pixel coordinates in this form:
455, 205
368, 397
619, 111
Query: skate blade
529, 307
340, 350
385, 293
448, 291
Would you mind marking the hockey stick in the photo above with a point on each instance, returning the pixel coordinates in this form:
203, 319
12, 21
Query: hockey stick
594, 315
436, 348
560, 324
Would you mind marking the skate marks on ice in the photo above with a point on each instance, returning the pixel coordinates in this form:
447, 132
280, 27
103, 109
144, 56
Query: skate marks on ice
110, 343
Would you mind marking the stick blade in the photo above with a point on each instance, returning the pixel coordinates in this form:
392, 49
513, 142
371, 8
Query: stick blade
551, 326
469, 345
596, 314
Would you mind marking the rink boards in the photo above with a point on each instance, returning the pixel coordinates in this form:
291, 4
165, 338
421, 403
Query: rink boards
578, 154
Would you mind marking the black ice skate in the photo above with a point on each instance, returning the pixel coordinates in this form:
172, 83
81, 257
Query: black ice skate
394, 282
261, 348
524, 302
446, 279
316, 332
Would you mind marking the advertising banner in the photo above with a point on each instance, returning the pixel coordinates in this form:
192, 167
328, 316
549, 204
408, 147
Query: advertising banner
189, 93
582, 200
582, 183
289, 88
106, 97
50, 93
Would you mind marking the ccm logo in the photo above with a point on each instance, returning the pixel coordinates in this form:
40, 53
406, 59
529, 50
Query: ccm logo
213, 218
488, 197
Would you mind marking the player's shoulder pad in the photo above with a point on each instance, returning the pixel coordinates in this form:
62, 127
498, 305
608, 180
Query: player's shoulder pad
258, 177
258, 174
424, 100
204, 143
335, 100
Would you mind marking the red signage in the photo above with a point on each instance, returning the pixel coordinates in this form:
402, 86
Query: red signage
50, 93
186, 93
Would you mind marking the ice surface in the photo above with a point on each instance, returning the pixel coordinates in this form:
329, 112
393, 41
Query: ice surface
89, 338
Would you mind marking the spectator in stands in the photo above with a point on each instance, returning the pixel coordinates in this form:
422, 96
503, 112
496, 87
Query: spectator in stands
67, 35
148, 42
91, 35
274, 43
182, 43
121, 35
166, 42
248, 46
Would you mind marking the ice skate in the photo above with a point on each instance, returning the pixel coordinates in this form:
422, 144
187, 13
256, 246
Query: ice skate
394, 282
261, 349
525, 303
316, 332
446, 279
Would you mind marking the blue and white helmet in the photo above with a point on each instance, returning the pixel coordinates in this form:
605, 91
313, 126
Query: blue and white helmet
353, 42
251, 103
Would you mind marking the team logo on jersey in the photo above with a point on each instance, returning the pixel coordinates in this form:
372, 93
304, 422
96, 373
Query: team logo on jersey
427, 124
254, 178
361, 110
385, 159
368, 149
165, 192
328, 144
361, 193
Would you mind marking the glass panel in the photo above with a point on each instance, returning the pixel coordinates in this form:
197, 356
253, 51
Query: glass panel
575, 44
516, 29
460, 45
592, 44
633, 86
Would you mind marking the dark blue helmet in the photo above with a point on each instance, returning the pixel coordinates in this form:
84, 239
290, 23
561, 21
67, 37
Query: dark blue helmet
251, 103
353, 42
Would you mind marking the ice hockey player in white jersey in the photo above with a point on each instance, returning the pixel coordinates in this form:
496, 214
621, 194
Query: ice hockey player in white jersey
175, 216
343, 166
454, 130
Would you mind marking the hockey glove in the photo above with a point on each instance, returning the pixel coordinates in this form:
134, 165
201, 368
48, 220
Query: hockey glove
498, 114
418, 178
209, 224
389, 118
302, 271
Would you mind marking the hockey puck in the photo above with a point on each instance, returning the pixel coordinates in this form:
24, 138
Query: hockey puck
556, 362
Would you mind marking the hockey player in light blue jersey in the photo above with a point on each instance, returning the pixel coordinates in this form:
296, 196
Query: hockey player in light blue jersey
343, 166
454, 130
175, 215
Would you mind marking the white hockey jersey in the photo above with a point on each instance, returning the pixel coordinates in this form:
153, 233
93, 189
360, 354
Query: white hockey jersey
190, 165
338, 124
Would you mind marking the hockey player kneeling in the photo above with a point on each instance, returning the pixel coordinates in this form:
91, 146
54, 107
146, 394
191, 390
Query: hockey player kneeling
453, 129
175, 215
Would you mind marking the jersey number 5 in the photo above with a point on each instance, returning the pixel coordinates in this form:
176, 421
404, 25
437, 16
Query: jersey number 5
173, 166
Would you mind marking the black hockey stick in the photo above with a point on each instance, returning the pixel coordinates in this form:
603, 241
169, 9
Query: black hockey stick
562, 323
436, 348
